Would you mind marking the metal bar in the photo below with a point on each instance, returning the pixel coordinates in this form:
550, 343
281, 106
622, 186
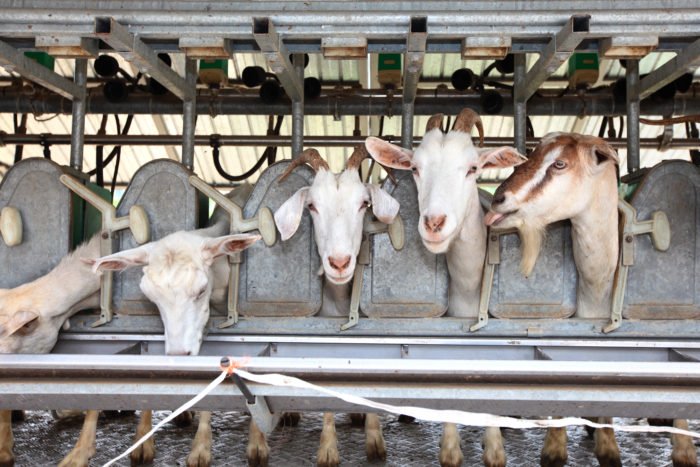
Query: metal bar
407, 125
519, 104
78, 119
298, 110
632, 76
281, 141
277, 57
557, 52
141, 55
412, 68
189, 115
686, 61
368, 102
13, 60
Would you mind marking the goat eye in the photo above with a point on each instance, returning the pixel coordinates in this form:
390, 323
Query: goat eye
201, 293
559, 164
311, 207
414, 170
472, 170
365, 204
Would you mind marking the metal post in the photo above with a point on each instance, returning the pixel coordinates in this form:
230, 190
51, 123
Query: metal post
78, 120
189, 115
298, 109
407, 125
632, 76
519, 104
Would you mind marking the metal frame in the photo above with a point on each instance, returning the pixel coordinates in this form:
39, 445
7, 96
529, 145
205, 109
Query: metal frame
538, 378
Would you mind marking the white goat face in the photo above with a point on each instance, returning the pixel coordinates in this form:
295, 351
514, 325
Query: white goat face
24, 329
445, 168
337, 205
178, 278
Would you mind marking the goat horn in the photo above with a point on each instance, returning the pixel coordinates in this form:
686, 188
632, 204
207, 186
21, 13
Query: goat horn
309, 156
434, 122
466, 120
355, 160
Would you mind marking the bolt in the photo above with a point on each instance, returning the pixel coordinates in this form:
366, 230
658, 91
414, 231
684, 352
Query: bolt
629, 238
105, 235
494, 238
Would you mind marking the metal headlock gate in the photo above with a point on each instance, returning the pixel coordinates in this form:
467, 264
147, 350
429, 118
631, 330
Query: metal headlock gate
523, 366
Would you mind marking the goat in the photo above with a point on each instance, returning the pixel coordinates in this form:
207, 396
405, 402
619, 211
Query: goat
445, 169
182, 272
338, 204
572, 176
31, 316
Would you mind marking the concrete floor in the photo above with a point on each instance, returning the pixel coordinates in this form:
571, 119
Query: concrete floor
42, 441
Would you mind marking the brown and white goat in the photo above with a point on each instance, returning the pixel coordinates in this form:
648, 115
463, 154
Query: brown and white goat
338, 204
572, 176
445, 169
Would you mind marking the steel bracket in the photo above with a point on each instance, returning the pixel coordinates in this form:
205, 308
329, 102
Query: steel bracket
257, 406
263, 222
136, 222
364, 258
658, 228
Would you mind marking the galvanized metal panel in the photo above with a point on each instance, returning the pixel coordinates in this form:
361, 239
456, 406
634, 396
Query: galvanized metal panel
161, 187
666, 285
412, 282
281, 280
45, 205
549, 292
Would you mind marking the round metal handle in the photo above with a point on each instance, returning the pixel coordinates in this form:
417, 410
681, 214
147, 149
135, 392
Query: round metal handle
266, 226
11, 226
138, 224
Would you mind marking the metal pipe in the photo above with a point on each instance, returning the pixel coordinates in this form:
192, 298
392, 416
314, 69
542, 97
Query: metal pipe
407, 125
298, 109
78, 116
632, 76
282, 141
520, 103
12, 101
189, 115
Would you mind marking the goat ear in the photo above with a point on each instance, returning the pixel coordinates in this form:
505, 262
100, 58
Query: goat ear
288, 216
229, 244
18, 321
500, 158
384, 206
389, 154
138, 256
603, 152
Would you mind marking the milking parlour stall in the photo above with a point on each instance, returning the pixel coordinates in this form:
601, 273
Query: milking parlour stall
398, 233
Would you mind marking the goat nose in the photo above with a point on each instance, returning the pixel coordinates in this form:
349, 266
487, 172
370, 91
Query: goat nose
339, 263
498, 199
434, 223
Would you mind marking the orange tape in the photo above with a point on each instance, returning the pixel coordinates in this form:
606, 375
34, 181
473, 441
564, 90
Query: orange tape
235, 364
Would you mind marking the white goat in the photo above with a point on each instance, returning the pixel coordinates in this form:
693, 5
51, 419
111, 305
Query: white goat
32, 314
182, 272
571, 176
445, 168
338, 204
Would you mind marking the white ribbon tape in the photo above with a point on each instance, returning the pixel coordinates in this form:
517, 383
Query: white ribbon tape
444, 416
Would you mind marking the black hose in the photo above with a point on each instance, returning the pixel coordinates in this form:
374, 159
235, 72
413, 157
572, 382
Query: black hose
116, 149
99, 154
20, 128
603, 125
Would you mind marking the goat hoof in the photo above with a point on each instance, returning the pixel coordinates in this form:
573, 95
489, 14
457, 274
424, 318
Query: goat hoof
357, 419
6, 458
18, 416
450, 454
199, 457
495, 458
78, 457
685, 457
609, 461
184, 419
258, 454
290, 419
143, 454
374, 446
328, 456
553, 459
